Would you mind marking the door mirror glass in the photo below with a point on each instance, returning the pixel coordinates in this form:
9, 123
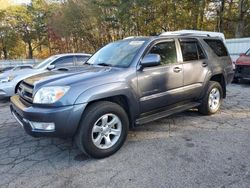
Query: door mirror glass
51, 67
151, 60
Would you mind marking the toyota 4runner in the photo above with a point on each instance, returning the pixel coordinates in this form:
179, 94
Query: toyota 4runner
124, 84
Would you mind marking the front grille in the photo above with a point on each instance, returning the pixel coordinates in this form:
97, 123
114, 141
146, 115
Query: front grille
25, 91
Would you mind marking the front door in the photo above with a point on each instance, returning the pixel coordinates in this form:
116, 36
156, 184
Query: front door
161, 85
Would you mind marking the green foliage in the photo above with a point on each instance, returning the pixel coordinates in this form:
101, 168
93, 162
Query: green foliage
57, 26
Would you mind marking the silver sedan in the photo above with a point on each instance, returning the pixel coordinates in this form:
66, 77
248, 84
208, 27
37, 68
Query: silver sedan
10, 81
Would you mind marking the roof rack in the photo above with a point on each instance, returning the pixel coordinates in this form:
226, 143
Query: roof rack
194, 33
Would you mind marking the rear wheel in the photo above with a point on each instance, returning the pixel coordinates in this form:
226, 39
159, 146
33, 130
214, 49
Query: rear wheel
103, 129
212, 100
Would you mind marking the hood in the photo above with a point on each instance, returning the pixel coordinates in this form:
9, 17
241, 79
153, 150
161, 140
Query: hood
67, 76
243, 60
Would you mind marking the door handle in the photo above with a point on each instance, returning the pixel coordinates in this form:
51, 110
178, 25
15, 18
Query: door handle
177, 69
204, 64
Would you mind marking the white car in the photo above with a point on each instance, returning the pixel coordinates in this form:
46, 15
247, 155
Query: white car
15, 68
9, 81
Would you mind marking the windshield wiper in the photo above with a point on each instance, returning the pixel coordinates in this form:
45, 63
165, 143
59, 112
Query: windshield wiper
105, 64
87, 63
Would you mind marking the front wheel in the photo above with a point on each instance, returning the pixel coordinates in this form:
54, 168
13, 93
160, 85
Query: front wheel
103, 129
212, 100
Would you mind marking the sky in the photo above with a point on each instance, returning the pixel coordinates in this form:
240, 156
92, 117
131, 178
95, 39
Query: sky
20, 1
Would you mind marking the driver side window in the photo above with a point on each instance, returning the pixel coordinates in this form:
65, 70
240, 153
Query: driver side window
64, 62
167, 51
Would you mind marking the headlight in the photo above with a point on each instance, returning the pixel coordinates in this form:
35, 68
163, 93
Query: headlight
49, 95
7, 79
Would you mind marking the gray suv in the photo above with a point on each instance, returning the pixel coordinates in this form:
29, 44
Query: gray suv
125, 84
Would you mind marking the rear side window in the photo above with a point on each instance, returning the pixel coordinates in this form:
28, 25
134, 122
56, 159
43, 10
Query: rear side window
217, 46
191, 51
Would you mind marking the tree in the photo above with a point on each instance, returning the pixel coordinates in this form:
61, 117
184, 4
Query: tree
243, 13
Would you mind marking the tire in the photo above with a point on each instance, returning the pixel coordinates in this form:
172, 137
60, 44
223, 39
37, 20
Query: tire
211, 105
236, 80
102, 130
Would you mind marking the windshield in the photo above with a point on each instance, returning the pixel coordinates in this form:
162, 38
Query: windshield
116, 54
44, 63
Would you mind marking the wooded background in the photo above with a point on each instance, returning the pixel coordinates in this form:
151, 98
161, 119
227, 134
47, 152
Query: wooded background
46, 27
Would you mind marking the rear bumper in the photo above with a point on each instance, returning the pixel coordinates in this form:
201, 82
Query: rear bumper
66, 119
242, 71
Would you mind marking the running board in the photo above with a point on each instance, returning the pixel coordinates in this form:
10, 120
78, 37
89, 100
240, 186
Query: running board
165, 113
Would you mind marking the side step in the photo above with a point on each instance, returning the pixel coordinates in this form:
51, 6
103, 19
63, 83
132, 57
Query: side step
165, 113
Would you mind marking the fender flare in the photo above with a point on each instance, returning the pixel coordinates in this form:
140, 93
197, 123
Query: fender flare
111, 90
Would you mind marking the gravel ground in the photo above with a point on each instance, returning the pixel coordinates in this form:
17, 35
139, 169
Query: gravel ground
184, 150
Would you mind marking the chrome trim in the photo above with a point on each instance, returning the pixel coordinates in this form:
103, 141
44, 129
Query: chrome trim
172, 91
23, 87
17, 119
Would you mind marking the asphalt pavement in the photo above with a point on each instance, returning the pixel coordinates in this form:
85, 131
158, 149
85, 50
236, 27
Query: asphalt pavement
184, 150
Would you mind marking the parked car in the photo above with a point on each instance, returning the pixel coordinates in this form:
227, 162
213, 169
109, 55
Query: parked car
125, 84
242, 67
6, 69
9, 82
16, 68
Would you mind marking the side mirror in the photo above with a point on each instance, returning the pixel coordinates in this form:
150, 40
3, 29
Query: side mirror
242, 54
151, 60
51, 67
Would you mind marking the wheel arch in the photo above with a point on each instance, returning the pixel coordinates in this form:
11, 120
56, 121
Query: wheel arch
221, 80
118, 93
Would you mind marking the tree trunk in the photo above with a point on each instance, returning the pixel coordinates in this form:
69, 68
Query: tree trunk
5, 53
201, 14
30, 56
240, 21
221, 13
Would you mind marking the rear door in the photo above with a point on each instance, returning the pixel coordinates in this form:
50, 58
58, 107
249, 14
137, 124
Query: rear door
195, 67
161, 85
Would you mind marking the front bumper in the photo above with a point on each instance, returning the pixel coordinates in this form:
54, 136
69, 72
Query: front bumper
6, 90
66, 119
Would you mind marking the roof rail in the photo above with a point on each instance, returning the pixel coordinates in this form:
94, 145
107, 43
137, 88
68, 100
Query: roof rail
194, 33
184, 34
131, 37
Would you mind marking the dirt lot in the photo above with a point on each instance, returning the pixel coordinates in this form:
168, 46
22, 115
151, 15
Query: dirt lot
185, 150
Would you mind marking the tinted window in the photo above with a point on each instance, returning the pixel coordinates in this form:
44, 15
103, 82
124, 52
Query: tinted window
217, 46
191, 51
64, 61
25, 67
167, 51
